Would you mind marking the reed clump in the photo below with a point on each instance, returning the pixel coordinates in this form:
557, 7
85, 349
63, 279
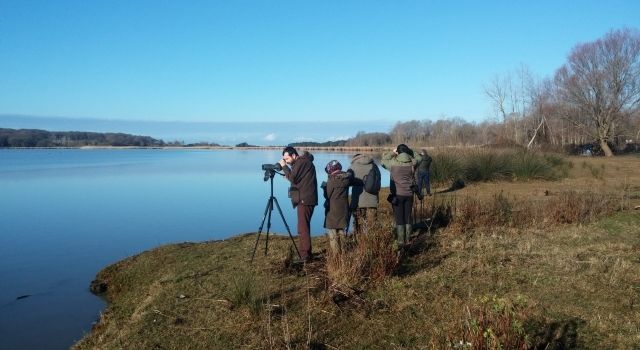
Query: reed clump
481, 165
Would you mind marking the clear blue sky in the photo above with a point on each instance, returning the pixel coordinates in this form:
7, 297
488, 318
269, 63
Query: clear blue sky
212, 61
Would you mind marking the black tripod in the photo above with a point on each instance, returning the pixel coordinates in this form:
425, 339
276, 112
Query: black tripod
267, 215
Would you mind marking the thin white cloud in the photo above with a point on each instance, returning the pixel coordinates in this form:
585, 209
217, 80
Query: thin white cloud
270, 137
303, 138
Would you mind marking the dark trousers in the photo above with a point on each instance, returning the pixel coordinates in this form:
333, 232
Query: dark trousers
423, 180
402, 209
304, 230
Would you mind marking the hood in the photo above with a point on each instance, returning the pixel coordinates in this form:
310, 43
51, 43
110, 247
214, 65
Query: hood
340, 175
404, 158
307, 155
362, 159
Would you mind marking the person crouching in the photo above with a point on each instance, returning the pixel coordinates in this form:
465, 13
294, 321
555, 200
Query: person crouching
336, 205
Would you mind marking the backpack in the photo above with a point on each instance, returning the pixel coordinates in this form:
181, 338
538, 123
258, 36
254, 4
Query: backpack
372, 180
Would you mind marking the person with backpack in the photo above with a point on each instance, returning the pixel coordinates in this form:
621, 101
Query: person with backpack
401, 163
422, 170
364, 192
336, 205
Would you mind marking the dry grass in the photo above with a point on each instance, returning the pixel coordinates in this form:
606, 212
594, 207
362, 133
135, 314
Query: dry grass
363, 259
498, 267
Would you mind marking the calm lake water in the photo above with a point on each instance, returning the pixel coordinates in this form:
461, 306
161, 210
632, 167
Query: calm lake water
66, 214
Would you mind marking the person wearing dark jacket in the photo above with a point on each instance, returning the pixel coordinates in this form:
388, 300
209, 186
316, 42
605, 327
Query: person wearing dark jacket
401, 163
422, 170
336, 205
364, 205
303, 193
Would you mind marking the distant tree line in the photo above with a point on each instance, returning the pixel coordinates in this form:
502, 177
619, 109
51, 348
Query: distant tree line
244, 144
338, 143
42, 138
195, 144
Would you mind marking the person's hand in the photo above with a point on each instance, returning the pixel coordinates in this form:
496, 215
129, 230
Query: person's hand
282, 163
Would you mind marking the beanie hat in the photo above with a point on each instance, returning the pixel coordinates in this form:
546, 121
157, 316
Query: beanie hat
332, 167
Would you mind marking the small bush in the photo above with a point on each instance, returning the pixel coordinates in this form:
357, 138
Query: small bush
368, 258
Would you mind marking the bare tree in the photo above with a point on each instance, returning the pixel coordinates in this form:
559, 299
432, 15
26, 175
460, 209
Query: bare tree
511, 97
601, 80
498, 93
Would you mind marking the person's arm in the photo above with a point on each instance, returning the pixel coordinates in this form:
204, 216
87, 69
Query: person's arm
345, 181
296, 171
324, 192
416, 160
353, 181
286, 169
386, 159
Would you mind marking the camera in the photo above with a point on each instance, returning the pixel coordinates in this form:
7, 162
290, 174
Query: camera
271, 167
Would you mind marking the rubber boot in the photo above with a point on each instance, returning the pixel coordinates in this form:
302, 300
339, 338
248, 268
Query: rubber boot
408, 228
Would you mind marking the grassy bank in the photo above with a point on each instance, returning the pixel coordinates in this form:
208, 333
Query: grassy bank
502, 264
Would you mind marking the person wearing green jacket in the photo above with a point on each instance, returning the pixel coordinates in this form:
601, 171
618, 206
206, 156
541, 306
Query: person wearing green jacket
401, 164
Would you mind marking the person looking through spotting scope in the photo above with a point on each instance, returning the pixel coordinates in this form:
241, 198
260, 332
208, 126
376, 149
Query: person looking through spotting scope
303, 193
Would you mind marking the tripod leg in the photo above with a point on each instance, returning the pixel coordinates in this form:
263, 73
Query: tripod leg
287, 226
266, 242
255, 246
413, 211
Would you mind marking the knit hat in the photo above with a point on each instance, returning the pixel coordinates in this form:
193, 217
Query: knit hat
332, 167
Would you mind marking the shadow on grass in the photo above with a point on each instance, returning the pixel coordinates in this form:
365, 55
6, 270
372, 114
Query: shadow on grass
557, 335
421, 253
457, 184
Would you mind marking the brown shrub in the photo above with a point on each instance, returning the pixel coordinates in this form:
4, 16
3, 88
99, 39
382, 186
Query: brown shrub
364, 258
573, 207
